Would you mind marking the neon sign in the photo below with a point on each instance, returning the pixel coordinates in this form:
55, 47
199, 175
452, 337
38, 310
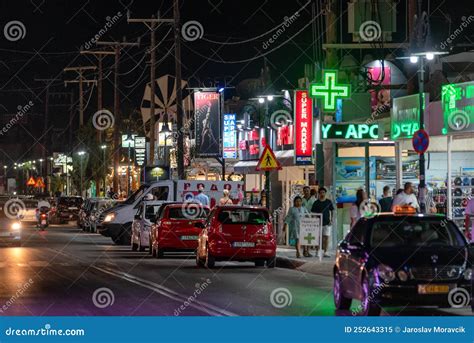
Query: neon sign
303, 127
330, 90
229, 138
350, 131
405, 115
457, 101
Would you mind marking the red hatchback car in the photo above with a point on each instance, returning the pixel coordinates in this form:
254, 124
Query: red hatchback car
237, 233
175, 228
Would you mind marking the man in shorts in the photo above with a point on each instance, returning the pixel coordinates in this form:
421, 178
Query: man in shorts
325, 207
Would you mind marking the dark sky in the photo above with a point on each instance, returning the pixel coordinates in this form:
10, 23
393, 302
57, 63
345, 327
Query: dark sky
55, 30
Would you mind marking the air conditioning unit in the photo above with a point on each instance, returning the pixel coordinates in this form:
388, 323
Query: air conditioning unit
372, 21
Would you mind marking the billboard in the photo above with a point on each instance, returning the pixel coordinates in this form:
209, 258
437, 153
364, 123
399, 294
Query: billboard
303, 127
457, 101
140, 150
229, 139
207, 119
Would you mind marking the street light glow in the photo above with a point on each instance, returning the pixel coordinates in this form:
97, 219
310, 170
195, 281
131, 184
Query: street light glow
80, 153
261, 100
270, 97
414, 59
429, 56
103, 146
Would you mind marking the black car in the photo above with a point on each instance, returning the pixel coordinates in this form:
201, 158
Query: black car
67, 208
403, 260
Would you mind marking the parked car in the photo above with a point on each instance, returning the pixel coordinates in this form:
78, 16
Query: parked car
90, 212
142, 222
175, 228
10, 229
237, 233
29, 214
401, 259
67, 208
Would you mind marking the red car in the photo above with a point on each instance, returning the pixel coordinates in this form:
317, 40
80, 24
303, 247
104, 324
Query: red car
237, 233
175, 228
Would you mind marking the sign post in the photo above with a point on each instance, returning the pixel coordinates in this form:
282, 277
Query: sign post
311, 231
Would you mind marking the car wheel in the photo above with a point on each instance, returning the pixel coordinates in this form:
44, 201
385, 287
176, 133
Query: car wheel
259, 263
210, 260
271, 262
340, 301
368, 305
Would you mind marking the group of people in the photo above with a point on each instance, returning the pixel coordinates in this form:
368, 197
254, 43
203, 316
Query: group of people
312, 201
203, 199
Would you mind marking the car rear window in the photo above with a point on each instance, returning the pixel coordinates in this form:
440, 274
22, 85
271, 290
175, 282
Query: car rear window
409, 232
70, 202
243, 216
188, 212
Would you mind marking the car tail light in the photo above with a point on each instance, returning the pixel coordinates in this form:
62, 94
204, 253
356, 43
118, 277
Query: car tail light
43, 215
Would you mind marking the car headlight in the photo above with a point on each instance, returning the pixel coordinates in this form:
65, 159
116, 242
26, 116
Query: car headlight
386, 273
16, 226
467, 274
109, 217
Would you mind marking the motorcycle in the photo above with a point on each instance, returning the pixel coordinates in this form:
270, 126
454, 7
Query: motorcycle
43, 218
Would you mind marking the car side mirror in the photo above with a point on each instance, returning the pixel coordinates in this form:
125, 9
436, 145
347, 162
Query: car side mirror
200, 225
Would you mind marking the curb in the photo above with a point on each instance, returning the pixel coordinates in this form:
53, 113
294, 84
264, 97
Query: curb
304, 266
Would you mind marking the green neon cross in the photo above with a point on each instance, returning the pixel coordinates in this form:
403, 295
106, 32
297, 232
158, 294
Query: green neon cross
329, 90
309, 237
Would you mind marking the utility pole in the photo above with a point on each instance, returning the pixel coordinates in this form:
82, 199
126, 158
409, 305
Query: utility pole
152, 25
117, 46
179, 92
99, 54
80, 80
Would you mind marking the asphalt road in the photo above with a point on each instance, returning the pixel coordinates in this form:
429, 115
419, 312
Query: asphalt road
64, 271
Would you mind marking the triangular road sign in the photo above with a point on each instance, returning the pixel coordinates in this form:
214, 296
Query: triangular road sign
31, 181
39, 183
268, 161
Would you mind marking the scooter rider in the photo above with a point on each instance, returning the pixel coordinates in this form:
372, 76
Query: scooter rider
42, 205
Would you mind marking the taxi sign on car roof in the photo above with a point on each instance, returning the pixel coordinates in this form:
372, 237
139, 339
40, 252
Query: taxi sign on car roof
404, 209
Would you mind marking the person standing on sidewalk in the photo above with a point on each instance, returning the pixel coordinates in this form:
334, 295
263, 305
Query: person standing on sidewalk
324, 206
386, 201
202, 198
292, 223
356, 211
308, 199
225, 200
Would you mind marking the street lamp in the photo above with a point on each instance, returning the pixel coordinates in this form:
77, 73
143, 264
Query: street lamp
103, 147
419, 58
81, 153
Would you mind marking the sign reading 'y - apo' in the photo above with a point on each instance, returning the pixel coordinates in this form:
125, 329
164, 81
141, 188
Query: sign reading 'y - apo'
303, 127
229, 139
329, 91
207, 119
350, 131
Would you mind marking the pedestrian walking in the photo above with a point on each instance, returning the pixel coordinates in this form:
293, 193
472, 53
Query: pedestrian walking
325, 207
355, 211
225, 200
292, 223
308, 199
202, 198
425, 201
386, 201
407, 197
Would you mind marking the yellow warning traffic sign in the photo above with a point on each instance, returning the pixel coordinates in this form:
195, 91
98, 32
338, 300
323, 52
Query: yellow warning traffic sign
268, 161
39, 183
31, 181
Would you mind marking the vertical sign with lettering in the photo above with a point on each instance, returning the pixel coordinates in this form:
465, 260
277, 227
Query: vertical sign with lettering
303, 127
229, 139
207, 119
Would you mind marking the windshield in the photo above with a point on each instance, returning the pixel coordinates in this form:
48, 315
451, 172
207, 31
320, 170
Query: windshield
138, 193
189, 213
415, 233
243, 216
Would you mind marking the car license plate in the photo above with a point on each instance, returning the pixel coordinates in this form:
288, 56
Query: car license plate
433, 289
189, 238
43, 222
243, 244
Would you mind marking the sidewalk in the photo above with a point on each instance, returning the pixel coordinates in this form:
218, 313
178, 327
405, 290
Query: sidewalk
286, 258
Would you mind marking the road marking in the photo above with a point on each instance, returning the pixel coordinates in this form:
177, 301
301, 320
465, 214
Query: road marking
169, 293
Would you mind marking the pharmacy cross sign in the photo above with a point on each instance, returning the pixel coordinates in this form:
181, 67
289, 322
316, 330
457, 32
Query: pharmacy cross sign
330, 91
309, 237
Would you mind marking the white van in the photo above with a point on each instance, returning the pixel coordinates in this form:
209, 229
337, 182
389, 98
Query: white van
116, 222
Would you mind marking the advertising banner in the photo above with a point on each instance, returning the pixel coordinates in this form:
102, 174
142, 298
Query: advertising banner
140, 150
186, 190
303, 128
405, 115
229, 139
207, 119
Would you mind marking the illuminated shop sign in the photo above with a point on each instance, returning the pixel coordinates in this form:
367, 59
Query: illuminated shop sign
457, 101
329, 91
405, 116
350, 131
303, 127
229, 139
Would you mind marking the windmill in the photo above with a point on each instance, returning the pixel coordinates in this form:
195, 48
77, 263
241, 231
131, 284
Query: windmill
165, 101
